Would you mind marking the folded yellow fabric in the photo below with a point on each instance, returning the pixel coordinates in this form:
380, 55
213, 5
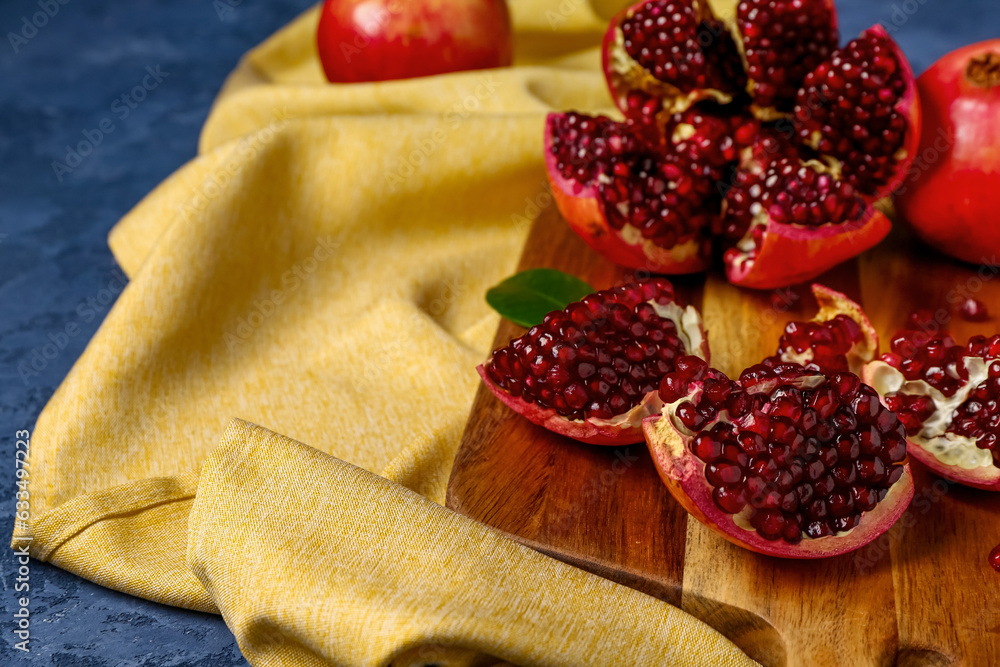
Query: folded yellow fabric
319, 270
369, 544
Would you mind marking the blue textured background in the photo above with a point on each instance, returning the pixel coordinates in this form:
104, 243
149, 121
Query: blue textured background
53, 255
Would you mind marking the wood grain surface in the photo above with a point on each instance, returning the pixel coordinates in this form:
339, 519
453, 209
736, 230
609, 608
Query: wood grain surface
923, 594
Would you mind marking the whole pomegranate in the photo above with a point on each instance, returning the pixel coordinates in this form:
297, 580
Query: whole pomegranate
950, 195
784, 461
750, 130
592, 371
379, 40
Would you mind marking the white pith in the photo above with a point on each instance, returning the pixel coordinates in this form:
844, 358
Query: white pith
948, 448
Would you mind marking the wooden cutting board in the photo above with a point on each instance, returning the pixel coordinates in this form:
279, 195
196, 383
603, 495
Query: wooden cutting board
922, 596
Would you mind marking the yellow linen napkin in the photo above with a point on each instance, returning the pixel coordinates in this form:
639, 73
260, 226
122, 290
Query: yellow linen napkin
319, 270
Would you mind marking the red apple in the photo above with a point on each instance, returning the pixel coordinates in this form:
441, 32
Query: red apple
379, 40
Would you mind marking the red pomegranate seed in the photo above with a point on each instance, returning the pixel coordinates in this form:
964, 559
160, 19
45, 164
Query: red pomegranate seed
596, 358
939, 362
974, 310
798, 471
922, 320
995, 558
784, 40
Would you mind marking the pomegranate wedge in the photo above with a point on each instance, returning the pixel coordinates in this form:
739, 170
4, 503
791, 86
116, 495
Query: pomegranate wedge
784, 461
948, 398
591, 371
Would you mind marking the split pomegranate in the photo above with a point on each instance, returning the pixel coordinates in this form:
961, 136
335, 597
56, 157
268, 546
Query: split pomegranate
840, 338
947, 396
754, 131
784, 461
950, 195
592, 371
379, 40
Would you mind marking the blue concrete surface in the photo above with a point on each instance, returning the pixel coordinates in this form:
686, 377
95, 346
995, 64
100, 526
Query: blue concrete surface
58, 87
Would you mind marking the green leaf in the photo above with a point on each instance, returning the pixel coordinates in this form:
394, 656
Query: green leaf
527, 297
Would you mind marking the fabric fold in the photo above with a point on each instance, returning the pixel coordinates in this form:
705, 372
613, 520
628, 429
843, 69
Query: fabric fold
266, 505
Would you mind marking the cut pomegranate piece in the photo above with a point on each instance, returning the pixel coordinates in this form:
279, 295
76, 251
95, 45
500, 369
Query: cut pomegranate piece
782, 41
636, 206
785, 461
839, 339
796, 221
770, 139
948, 398
669, 54
861, 109
591, 371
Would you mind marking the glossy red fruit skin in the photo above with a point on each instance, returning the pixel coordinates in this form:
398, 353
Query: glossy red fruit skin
579, 206
382, 40
791, 254
949, 198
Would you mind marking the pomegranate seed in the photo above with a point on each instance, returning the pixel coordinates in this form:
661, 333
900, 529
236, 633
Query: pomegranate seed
596, 358
974, 310
793, 485
922, 320
938, 361
780, 51
995, 558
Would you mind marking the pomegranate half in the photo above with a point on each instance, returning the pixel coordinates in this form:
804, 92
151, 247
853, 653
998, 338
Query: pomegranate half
784, 461
947, 396
750, 130
591, 371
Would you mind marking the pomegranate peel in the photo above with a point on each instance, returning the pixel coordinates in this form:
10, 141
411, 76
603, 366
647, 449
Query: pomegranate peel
591, 371
789, 254
785, 462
